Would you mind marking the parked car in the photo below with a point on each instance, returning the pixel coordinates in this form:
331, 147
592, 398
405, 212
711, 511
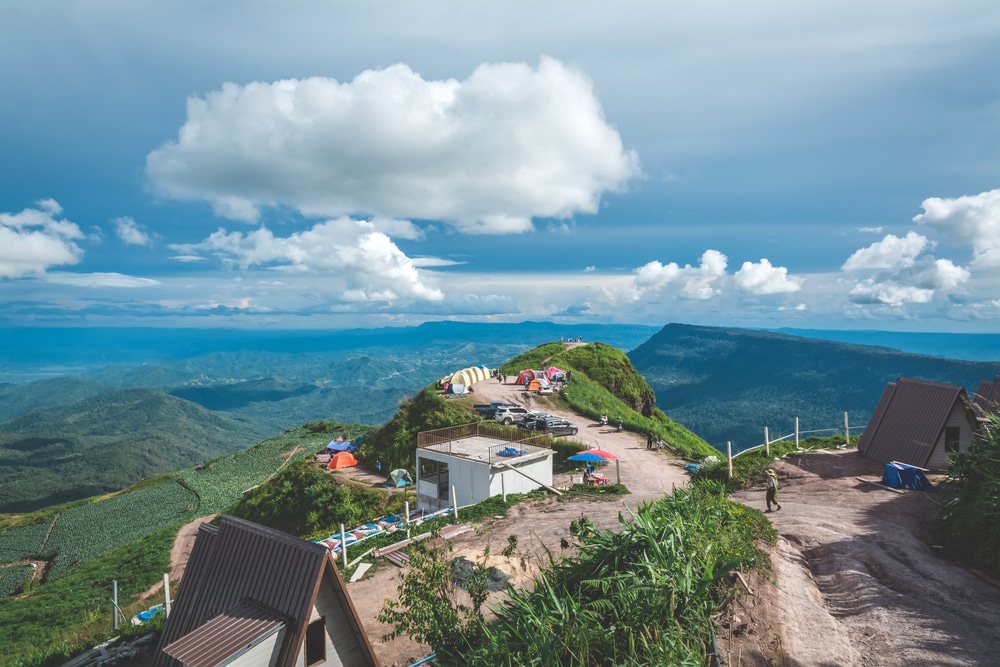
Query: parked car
490, 411
556, 426
510, 414
530, 420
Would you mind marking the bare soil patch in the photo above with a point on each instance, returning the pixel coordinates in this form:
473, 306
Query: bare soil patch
857, 580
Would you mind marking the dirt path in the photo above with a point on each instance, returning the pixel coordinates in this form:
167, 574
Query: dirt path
179, 554
540, 526
856, 580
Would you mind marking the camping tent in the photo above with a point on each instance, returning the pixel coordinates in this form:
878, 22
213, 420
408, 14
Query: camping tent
399, 477
528, 374
902, 476
555, 373
340, 445
342, 460
457, 389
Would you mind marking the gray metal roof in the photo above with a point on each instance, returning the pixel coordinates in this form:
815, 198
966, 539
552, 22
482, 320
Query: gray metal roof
987, 398
910, 419
241, 562
224, 636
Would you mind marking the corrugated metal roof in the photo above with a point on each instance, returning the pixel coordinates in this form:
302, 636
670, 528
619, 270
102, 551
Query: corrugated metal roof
987, 398
910, 419
241, 562
225, 635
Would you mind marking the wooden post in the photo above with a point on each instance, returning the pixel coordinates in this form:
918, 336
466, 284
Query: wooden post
729, 455
796, 433
343, 544
166, 593
454, 502
618, 471
847, 431
406, 513
767, 442
503, 486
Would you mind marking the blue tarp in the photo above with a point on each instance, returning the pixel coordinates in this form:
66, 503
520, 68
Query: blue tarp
341, 446
902, 476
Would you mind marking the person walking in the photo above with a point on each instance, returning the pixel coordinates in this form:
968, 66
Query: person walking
649, 440
772, 490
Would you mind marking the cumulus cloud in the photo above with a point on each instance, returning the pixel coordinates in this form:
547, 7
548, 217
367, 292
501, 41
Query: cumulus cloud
486, 154
762, 278
904, 272
367, 260
35, 239
871, 230
891, 252
131, 233
654, 276
973, 220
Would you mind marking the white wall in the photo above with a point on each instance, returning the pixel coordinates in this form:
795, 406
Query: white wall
263, 654
475, 481
959, 418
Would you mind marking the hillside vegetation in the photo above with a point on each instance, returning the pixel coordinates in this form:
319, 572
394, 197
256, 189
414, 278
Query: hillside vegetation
108, 442
604, 382
728, 384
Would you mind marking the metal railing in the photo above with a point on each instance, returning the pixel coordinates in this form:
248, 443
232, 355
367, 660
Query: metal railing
442, 439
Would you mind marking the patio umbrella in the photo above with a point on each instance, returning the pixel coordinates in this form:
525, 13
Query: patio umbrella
587, 456
604, 454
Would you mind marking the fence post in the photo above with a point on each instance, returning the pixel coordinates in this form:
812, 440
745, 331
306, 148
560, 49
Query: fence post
729, 455
847, 432
454, 502
767, 442
114, 601
343, 545
796, 433
166, 594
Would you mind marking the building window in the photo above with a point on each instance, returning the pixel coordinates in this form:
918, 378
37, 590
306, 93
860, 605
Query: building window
316, 642
435, 472
952, 436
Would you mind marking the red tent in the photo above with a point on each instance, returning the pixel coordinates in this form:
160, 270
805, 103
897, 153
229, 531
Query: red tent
341, 460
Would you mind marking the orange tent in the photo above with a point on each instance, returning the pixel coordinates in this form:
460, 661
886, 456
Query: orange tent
341, 460
533, 385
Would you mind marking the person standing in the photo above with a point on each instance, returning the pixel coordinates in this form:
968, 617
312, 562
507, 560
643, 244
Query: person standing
772, 490
649, 440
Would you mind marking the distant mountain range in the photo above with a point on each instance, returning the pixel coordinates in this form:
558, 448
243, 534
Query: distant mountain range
728, 384
139, 402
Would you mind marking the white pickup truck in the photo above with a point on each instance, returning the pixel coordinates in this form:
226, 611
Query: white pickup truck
510, 414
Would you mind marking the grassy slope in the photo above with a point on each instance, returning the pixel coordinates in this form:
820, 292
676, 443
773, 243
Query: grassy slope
107, 442
604, 382
728, 384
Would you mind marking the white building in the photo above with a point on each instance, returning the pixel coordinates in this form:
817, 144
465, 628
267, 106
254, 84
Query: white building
480, 461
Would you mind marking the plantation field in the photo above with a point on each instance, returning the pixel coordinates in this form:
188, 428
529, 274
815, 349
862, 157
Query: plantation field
85, 532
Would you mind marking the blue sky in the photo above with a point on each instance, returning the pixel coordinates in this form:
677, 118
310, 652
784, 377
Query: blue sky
327, 164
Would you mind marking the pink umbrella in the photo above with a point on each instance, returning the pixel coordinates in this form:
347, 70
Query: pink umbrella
603, 454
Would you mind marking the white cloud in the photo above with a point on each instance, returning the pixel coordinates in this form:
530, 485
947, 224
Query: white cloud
131, 232
188, 258
903, 272
589, 269
891, 252
762, 278
653, 276
973, 220
800, 307
98, 280
35, 239
871, 230
370, 264
487, 154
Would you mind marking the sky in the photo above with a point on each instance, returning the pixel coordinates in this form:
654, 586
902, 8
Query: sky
329, 165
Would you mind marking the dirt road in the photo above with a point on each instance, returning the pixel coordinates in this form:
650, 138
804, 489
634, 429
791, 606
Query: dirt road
857, 581
540, 526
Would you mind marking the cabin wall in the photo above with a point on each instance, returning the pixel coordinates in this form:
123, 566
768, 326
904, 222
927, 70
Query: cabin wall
939, 459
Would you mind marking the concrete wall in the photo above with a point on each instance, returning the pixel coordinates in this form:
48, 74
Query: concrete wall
475, 481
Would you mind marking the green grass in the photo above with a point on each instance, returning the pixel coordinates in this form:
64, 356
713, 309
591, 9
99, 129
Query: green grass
63, 617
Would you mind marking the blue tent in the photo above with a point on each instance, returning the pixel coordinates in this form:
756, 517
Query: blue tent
341, 446
902, 476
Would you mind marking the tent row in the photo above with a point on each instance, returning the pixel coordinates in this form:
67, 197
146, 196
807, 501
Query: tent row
467, 376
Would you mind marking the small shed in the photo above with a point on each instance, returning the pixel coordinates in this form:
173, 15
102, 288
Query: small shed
479, 460
920, 423
256, 596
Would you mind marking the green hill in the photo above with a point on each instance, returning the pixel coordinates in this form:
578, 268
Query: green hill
728, 384
16, 399
106, 443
